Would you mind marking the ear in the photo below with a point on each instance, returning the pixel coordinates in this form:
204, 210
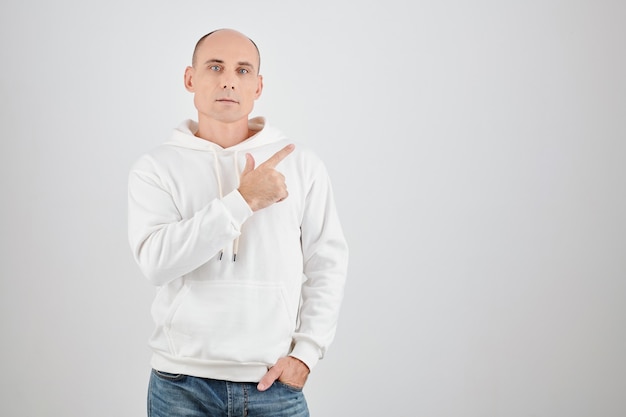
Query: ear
259, 88
189, 79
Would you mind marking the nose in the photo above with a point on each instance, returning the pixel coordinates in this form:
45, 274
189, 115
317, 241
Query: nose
228, 82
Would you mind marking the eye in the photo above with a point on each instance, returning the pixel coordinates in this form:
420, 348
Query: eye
214, 68
243, 71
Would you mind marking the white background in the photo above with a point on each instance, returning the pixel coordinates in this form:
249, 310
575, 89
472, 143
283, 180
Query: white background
477, 151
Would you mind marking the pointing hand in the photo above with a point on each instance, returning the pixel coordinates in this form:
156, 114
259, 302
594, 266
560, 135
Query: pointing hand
264, 185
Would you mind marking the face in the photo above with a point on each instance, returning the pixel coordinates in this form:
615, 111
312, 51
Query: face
224, 77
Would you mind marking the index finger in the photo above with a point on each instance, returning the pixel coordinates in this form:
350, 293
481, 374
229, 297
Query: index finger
279, 156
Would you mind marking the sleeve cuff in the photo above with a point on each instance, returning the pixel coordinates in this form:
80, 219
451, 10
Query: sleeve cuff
307, 352
237, 207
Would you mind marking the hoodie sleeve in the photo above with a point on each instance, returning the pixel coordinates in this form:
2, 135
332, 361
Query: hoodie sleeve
164, 244
325, 266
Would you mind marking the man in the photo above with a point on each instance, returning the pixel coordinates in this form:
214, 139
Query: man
250, 263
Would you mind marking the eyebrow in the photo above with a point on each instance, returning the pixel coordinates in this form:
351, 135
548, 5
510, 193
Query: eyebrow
219, 61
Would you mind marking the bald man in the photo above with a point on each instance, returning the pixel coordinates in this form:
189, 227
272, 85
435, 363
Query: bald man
237, 228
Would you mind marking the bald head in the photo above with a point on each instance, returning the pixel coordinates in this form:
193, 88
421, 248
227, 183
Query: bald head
225, 35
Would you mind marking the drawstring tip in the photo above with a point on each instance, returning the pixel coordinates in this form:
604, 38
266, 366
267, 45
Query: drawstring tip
221, 253
234, 257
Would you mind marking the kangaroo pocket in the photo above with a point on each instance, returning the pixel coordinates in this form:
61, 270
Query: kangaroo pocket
224, 321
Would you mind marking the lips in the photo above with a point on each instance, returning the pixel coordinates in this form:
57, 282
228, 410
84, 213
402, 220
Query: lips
227, 100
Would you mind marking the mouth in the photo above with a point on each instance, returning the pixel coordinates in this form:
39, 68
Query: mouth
227, 100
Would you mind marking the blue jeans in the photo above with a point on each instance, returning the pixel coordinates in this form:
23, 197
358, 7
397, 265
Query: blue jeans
171, 395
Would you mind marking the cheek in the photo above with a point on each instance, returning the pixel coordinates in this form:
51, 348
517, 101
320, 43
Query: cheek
204, 93
254, 92
201, 101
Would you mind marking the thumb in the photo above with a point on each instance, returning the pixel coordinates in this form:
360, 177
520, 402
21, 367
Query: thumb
249, 164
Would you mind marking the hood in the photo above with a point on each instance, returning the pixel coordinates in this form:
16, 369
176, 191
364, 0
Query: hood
184, 136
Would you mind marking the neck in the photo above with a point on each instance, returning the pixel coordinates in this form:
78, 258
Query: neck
223, 134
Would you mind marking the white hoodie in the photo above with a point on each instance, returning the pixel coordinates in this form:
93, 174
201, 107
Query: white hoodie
237, 290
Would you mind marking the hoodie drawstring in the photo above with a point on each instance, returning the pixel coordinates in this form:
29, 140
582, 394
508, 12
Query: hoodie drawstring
219, 186
236, 242
221, 194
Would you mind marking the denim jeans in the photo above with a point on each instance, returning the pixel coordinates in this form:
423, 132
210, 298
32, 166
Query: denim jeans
171, 395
